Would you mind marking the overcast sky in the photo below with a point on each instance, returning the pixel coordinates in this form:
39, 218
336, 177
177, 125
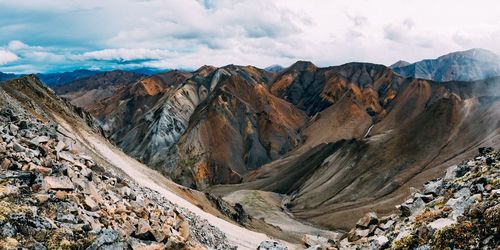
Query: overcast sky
61, 35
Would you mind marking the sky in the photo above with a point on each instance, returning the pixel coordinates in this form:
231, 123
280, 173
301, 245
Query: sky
63, 35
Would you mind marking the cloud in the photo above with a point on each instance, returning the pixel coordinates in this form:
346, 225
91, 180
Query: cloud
7, 57
58, 35
124, 55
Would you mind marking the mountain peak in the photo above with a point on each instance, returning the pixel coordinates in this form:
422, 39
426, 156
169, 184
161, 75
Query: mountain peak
302, 65
399, 64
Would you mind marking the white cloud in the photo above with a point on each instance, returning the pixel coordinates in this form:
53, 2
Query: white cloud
7, 57
190, 33
124, 54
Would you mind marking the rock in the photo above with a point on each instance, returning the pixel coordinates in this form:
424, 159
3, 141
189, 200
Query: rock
144, 230
423, 247
61, 195
489, 161
184, 230
485, 150
464, 192
66, 156
7, 230
312, 240
90, 204
60, 146
9, 243
13, 129
433, 187
3, 150
40, 139
367, 220
389, 224
58, 183
18, 147
459, 205
271, 245
412, 209
5, 164
106, 236
441, 223
451, 173
380, 241
39, 169
41, 198
426, 198
136, 244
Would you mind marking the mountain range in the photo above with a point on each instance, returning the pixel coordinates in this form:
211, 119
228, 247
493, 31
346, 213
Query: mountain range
305, 150
294, 132
469, 65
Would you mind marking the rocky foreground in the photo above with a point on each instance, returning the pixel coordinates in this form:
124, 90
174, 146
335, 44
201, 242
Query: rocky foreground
459, 211
54, 197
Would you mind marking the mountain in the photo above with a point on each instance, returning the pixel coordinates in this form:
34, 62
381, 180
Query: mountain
469, 65
399, 64
6, 76
90, 91
274, 68
56, 79
65, 186
325, 145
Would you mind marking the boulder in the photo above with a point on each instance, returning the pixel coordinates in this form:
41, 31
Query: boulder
107, 236
58, 183
433, 187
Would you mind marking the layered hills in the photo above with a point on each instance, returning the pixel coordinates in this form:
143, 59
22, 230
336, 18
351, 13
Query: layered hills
469, 65
333, 143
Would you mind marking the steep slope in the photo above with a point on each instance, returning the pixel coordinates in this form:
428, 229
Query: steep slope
469, 65
239, 128
334, 184
37, 103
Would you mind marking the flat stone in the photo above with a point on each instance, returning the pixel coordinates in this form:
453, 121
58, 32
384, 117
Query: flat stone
66, 156
40, 139
58, 183
60, 146
441, 223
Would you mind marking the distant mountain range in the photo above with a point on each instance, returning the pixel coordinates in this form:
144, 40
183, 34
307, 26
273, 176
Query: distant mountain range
61, 78
469, 65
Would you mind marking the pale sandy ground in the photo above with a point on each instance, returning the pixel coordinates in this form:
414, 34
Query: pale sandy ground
237, 235
268, 206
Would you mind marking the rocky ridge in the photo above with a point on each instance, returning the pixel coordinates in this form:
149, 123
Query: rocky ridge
52, 196
458, 211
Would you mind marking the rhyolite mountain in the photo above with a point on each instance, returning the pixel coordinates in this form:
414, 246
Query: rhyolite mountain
469, 65
336, 142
